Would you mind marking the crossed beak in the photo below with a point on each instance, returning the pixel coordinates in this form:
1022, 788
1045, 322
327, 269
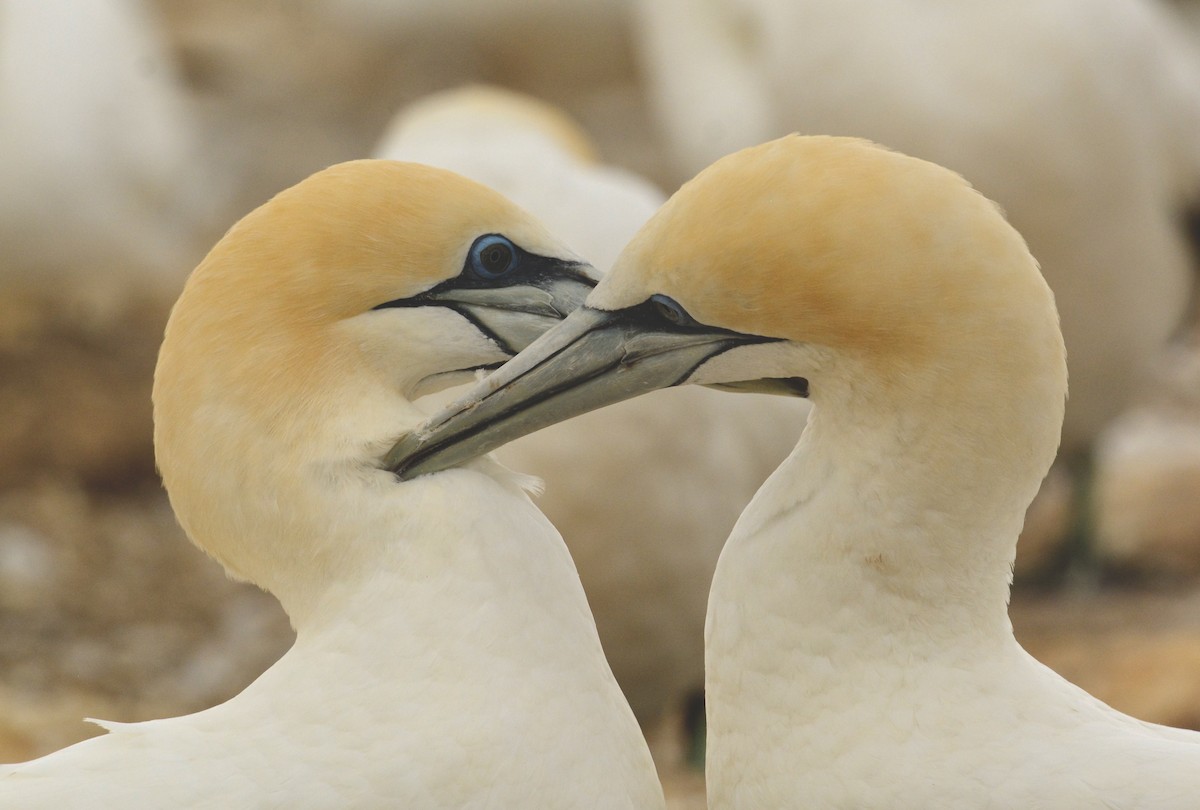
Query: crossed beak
593, 358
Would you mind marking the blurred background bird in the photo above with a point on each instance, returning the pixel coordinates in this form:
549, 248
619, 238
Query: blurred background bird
97, 127
133, 133
534, 154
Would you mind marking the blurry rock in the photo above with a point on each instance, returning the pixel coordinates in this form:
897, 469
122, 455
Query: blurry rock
1138, 652
1146, 496
27, 570
1048, 520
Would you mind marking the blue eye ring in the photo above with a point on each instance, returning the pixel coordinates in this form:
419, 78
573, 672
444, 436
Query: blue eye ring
669, 310
492, 256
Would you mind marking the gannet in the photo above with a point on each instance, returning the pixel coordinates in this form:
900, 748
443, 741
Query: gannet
1079, 117
858, 646
535, 155
445, 654
98, 166
646, 567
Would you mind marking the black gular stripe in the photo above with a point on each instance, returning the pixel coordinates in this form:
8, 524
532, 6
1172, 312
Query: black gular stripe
649, 316
467, 294
478, 324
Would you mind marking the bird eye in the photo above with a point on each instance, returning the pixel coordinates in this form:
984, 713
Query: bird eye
492, 256
670, 310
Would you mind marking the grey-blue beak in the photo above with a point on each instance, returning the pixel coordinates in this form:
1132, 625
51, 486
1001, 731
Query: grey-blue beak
593, 358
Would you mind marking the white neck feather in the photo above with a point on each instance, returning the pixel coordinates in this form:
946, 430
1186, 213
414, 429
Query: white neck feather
891, 527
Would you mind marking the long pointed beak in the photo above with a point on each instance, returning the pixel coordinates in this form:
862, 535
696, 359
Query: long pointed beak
592, 359
516, 315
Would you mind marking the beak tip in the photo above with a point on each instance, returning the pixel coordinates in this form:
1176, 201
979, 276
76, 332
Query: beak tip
398, 459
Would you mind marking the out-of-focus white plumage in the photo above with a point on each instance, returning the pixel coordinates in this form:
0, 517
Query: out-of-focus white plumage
98, 170
645, 551
445, 654
536, 156
1078, 117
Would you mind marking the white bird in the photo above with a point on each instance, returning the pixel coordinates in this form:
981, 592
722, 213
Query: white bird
98, 166
647, 566
532, 153
858, 647
1079, 117
445, 654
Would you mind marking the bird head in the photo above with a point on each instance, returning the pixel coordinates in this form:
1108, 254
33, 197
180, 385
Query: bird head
297, 343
